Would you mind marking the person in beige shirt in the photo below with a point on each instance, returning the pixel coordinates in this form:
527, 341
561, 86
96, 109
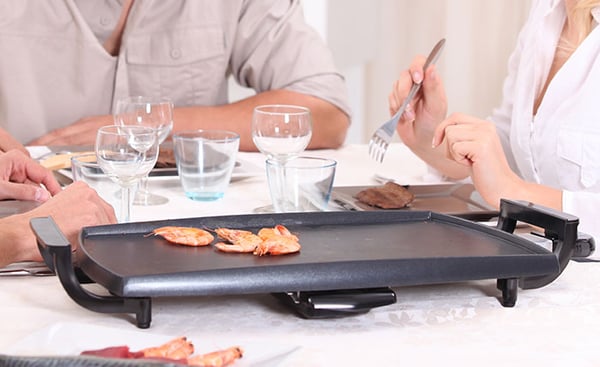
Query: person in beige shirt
65, 63
77, 206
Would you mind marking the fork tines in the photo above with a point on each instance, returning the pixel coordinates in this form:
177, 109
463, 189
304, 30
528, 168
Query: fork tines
377, 147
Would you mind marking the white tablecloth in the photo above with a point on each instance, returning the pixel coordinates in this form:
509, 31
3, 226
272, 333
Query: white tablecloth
449, 324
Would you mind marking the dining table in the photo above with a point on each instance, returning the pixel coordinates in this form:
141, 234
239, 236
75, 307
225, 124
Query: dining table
457, 323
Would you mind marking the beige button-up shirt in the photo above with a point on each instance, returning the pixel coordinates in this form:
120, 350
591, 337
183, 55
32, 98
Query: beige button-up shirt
54, 69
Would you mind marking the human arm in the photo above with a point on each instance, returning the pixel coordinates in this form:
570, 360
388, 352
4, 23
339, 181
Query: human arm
475, 145
8, 142
75, 207
427, 109
329, 122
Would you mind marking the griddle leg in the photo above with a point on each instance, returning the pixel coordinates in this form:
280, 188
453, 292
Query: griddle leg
509, 291
143, 311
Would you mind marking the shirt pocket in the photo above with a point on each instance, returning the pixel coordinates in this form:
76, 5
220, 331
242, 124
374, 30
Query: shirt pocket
188, 65
580, 157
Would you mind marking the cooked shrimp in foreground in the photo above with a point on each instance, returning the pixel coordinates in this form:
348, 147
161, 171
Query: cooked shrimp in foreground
178, 350
187, 236
217, 358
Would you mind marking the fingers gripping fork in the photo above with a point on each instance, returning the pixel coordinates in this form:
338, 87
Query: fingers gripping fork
382, 137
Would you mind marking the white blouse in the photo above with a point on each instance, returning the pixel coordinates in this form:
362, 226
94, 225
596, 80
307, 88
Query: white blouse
560, 145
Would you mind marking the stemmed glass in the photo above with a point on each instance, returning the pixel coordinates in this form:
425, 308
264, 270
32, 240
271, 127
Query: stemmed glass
126, 154
156, 113
281, 132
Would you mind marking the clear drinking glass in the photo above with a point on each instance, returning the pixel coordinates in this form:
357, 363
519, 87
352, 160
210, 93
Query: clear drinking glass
156, 113
126, 154
281, 131
302, 184
205, 161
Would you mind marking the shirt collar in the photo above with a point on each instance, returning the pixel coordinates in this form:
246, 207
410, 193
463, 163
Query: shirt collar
596, 14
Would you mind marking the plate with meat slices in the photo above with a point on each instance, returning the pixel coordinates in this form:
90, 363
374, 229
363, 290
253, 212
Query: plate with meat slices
461, 200
71, 343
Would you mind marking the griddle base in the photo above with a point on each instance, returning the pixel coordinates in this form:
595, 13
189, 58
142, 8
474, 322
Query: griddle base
336, 303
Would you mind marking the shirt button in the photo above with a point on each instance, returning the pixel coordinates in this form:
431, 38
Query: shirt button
105, 20
175, 53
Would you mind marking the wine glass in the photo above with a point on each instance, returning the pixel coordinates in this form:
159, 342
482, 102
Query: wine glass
156, 113
281, 131
126, 154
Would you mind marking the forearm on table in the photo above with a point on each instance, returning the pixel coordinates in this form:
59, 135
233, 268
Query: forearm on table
535, 193
330, 124
17, 242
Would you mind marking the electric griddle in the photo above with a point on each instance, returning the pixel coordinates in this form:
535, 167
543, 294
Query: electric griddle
348, 263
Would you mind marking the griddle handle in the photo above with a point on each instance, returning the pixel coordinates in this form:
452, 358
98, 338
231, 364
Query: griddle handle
559, 227
56, 252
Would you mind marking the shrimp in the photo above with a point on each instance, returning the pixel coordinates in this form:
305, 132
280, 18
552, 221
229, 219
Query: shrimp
178, 348
277, 241
278, 230
240, 240
217, 358
176, 351
187, 236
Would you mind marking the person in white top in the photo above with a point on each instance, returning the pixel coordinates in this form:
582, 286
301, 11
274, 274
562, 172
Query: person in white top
543, 143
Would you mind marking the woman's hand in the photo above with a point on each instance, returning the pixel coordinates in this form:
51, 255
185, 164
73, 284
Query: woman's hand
474, 143
427, 108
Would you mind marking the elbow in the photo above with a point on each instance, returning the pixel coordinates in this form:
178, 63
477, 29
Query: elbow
330, 130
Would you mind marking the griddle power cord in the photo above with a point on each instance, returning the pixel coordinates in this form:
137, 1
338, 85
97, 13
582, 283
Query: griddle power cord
584, 246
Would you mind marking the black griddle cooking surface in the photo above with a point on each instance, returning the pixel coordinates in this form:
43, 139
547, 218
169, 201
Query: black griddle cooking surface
340, 250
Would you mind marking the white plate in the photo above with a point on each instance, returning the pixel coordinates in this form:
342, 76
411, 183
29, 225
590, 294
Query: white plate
242, 170
63, 339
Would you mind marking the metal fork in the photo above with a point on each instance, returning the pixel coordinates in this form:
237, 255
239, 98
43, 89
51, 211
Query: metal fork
383, 135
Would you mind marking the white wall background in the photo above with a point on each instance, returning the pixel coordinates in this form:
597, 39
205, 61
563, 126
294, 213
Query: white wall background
373, 40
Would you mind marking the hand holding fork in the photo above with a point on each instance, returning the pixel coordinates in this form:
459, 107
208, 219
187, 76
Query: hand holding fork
383, 135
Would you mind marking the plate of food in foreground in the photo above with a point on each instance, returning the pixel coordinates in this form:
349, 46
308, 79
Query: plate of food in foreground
461, 200
74, 342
